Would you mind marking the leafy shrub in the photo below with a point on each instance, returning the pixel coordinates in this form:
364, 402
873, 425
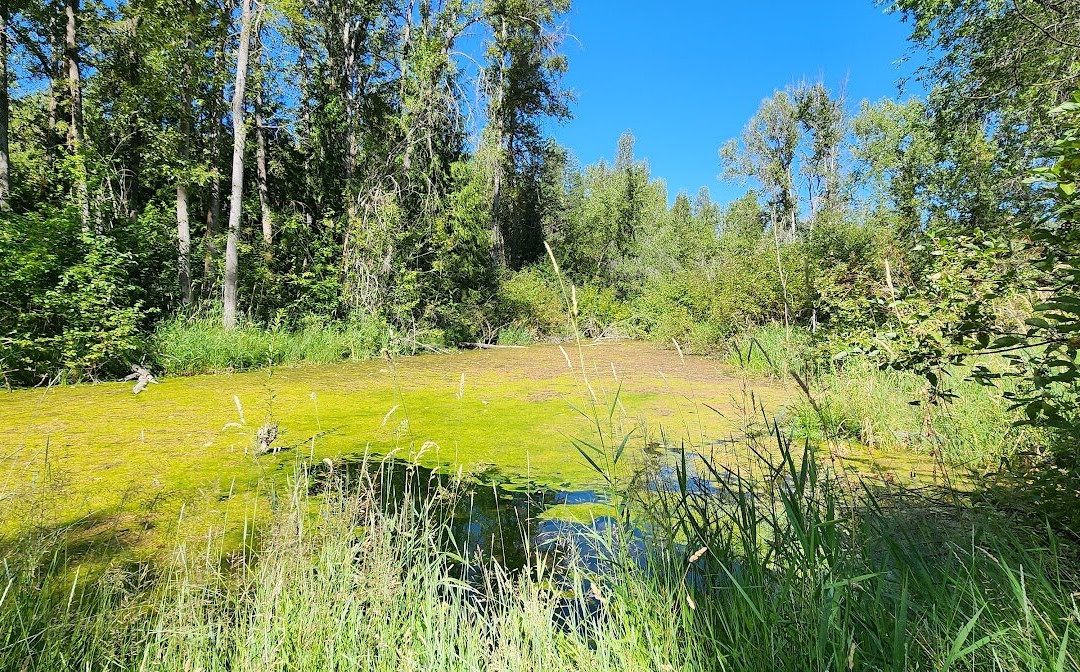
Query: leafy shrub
72, 303
515, 336
707, 305
533, 300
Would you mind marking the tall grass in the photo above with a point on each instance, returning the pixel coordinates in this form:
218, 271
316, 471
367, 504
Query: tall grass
201, 345
791, 571
886, 409
770, 350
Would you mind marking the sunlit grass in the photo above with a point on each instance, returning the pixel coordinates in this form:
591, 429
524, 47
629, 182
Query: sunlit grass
794, 573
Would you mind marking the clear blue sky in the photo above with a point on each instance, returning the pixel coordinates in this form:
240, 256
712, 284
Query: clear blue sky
686, 75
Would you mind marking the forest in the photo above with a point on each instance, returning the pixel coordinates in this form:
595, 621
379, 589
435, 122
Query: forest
199, 191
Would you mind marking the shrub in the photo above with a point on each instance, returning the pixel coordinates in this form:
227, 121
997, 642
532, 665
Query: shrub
71, 304
533, 300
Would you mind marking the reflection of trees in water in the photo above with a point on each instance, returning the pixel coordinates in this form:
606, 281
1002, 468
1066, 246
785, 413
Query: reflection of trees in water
496, 520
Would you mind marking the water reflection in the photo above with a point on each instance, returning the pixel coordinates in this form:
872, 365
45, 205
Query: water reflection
494, 518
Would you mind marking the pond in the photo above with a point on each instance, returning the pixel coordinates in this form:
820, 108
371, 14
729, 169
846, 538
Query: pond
130, 466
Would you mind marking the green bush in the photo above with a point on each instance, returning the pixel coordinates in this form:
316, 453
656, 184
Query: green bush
705, 306
533, 300
72, 301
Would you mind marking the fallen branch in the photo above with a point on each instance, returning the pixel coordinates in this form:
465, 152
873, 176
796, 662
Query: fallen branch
489, 346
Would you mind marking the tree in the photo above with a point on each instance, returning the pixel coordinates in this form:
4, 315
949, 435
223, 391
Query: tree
236, 205
766, 153
994, 70
822, 118
75, 108
522, 83
5, 108
896, 155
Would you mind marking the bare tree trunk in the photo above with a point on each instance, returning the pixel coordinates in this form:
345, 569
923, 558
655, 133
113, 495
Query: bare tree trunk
5, 180
183, 237
237, 195
498, 241
780, 272
50, 134
213, 216
183, 222
74, 133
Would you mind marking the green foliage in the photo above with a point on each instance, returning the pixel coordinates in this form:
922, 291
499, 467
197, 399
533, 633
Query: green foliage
71, 303
533, 302
706, 305
960, 310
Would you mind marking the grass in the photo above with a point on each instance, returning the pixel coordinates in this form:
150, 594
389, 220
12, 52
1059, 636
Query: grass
797, 572
886, 410
187, 346
770, 350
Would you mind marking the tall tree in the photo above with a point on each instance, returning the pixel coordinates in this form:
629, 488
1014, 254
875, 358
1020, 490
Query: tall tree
5, 107
75, 107
183, 220
823, 120
236, 197
766, 152
522, 82
215, 112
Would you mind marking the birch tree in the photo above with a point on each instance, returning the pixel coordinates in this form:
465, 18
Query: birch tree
236, 205
5, 106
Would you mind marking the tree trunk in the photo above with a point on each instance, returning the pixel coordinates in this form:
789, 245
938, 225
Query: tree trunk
51, 142
5, 180
213, 216
74, 132
213, 209
237, 195
498, 241
183, 222
260, 165
183, 237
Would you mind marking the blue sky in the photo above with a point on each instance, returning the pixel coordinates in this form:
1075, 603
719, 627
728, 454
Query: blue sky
686, 75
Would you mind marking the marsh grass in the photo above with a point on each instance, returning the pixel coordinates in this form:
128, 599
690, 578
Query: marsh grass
885, 409
186, 346
888, 410
792, 569
770, 350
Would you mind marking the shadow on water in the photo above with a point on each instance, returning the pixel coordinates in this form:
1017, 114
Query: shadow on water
490, 517
571, 538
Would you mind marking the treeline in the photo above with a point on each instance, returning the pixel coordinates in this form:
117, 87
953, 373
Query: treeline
265, 160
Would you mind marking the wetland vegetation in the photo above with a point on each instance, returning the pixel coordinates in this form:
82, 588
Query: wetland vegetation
420, 392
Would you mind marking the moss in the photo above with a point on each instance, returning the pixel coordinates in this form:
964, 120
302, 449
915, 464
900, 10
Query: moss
133, 463
585, 514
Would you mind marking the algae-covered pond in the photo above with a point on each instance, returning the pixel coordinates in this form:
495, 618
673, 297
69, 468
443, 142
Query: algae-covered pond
108, 462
